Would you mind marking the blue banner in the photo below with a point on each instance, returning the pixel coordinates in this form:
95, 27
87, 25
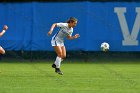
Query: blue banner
117, 23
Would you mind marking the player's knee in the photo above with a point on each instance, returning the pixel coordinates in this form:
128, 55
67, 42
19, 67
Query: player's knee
2, 51
64, 56
59, 55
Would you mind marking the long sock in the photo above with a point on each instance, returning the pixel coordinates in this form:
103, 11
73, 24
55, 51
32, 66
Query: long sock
57, 62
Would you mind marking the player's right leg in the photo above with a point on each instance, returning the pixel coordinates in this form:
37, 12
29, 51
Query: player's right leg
59, 54
57, 63
58, 50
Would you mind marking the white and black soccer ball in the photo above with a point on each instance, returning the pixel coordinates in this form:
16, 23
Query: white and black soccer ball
105, 46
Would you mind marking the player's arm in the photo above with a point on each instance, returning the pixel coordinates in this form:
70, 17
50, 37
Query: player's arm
4, 30
73, 37
52, 28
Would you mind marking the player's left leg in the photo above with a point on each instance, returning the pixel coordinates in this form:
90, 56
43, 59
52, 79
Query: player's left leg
63, 52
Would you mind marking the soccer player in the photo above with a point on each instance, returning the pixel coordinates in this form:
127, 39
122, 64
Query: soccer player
2, 51
66, 30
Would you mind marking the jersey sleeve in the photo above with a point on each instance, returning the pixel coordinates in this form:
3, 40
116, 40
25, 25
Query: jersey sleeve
61, 24
70, 33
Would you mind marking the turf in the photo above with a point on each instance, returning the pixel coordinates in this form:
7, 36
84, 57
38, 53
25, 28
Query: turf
79, 77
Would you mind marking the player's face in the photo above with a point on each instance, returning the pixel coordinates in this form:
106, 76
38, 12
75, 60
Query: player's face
73, 24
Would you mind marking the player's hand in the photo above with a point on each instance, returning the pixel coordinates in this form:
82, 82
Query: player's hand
5, 27
76, 36
49, 33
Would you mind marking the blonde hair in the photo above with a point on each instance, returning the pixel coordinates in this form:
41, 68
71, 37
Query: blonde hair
71, 20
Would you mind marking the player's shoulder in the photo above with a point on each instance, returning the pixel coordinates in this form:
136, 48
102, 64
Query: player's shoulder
62, 24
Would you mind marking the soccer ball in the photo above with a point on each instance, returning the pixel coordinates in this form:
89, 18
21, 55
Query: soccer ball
104, 46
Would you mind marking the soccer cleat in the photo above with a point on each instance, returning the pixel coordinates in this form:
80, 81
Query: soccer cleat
53, 66
57, 70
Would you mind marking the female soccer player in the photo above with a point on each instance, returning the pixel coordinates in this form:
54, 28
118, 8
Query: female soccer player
66, 30
2, 51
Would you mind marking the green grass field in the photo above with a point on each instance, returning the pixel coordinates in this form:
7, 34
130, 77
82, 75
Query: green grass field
79, 77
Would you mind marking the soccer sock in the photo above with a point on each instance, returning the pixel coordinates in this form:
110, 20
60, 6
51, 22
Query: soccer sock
57, 62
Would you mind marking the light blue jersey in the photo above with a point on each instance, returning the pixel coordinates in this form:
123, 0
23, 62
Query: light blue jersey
63, 32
